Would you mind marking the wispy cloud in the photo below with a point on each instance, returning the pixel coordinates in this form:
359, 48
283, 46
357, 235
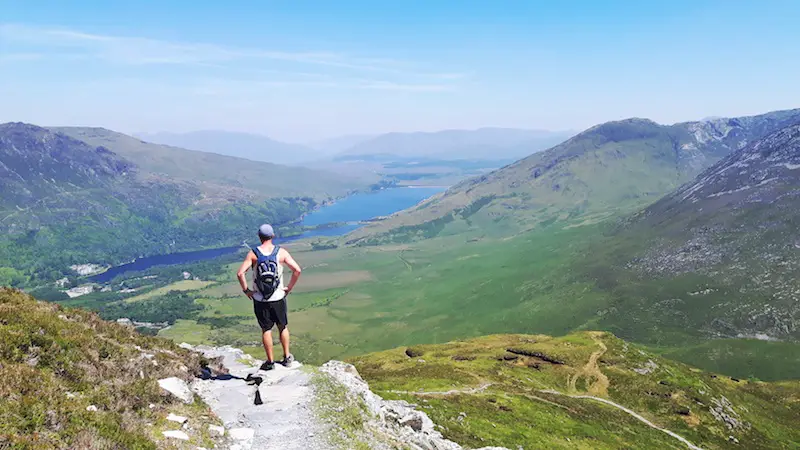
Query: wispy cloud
142, 51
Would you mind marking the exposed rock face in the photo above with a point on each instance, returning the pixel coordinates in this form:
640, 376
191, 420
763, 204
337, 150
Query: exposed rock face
396, 420
736, 225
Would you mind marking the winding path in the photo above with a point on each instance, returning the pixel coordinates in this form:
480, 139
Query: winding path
632, 413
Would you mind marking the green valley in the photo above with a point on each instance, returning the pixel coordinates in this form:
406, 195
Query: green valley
472, 277
104, 198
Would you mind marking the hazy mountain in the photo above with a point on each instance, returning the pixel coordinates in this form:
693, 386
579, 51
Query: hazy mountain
241, 145
218, 170
608, 169
339, 144
484, 143
81, 195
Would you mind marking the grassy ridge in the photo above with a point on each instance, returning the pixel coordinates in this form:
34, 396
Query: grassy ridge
502, 390
56, 362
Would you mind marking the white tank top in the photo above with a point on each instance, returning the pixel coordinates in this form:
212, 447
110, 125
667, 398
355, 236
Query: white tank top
279, 293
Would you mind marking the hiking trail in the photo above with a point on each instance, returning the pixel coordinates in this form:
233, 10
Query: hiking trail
592, 371
289, 418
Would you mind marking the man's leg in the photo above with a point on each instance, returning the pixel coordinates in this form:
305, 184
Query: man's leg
284, 340
266, 339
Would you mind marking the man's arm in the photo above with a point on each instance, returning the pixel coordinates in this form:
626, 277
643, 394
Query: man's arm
296, 270
246, 265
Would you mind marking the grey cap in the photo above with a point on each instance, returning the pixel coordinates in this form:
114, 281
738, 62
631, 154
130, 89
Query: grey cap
266, 231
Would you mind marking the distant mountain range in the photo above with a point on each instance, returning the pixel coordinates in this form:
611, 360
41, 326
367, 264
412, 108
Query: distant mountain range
609, 169
480, 144
241, 145
83, 195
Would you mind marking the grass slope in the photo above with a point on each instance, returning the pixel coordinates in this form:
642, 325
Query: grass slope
528, 391
55, 362
215, 172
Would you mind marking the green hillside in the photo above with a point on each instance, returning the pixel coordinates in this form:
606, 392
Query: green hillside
71, 380
534, 391
227, 176
608, 170
68, 202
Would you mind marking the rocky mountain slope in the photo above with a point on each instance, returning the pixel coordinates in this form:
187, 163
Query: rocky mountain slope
607, 170
717, 257
102, 197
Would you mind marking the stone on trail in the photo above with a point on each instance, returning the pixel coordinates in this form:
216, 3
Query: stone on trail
176, 434
178, 388
180, 419
216, 429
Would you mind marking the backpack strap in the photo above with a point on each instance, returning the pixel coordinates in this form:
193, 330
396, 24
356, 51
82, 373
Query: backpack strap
257, 252
275, 251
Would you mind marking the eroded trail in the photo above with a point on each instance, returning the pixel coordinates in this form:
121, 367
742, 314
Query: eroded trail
632, 413
596, 381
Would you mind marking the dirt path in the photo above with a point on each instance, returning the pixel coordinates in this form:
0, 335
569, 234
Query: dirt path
474, 390
632, 413
405, 261
591, 371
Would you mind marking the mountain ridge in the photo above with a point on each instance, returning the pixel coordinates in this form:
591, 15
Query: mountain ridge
255, 147
721, 250
611, 168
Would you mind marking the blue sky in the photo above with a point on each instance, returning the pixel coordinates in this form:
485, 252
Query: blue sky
305, 70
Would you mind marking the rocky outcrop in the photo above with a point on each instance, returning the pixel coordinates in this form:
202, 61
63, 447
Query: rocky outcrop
395, 420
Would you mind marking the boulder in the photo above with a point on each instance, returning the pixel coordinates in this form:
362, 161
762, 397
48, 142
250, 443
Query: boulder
176, 434
178, 388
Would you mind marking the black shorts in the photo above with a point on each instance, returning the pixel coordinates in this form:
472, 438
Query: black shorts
271, 313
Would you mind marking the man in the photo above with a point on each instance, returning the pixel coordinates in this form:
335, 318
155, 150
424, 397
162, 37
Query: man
272, 310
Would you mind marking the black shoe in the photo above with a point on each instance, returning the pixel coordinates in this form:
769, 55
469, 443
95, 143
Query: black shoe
268, 365
287, 360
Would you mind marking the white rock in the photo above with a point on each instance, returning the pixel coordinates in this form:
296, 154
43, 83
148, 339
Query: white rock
70, 395
186, 346
91, 408
151, 405
218, 430
173, 418
241, 434
176, 434
177, 387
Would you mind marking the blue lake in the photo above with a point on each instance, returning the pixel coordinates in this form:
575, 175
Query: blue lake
366, 206
350, 210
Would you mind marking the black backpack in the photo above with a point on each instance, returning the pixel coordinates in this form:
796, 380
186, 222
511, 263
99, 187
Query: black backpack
266, 269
